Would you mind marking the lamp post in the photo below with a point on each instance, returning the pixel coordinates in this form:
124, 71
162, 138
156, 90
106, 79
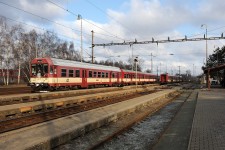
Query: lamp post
152, 63
136, 61
79, 17
179, 73
206, 48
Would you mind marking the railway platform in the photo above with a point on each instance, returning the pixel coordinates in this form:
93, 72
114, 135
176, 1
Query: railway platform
199, 126
52, 133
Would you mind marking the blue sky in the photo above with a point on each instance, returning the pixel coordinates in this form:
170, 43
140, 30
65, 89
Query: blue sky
129, 20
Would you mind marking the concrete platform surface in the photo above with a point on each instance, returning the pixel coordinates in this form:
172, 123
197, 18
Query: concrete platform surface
49, 134
199, 125
208, 129
176, 137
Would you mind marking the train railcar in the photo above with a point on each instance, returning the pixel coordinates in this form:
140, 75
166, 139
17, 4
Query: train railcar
52, 74
165, 78
128, 77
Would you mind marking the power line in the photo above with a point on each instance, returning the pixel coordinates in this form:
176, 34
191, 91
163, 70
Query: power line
10, 19
125, 27
41, 17
84, 19
44, 19
162, 41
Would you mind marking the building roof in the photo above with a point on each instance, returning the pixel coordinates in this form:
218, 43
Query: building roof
215, 68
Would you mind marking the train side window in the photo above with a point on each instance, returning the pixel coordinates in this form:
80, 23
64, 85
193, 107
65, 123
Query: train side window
113, 75
90, 74
63, 72
95, 74
71, 72
103, 74
51, 69
99, 74
77, 73
106, 74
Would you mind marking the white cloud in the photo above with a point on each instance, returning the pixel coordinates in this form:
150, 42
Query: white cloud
140, 19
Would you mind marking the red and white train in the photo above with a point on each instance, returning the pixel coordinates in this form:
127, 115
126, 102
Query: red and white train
53, 74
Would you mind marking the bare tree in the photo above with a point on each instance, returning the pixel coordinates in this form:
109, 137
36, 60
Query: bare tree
18, 48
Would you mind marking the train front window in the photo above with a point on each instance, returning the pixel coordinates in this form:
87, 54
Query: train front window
39, 69
33, 70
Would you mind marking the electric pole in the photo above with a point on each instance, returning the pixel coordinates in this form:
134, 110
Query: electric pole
179, 73
92, 46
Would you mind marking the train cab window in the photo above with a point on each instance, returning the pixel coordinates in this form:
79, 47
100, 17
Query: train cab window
106, 74
90, 74
45, 68
95, 74
77, 73
63, 72
99, 74
33, 70
103, 74
71, 72
39, 69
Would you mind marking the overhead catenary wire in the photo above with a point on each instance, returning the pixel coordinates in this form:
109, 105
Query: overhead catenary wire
45, 19
125, 27
115, 36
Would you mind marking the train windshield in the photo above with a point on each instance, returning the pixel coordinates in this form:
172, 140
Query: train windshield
39, 69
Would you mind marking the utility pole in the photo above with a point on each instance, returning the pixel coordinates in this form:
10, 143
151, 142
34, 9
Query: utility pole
157, 73
132, 58
136, 61
193, 70
92, 46
79, 17
152, 63
179, 73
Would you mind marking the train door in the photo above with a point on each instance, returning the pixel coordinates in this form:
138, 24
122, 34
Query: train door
55, 75
110, 78
84, 78
118, 76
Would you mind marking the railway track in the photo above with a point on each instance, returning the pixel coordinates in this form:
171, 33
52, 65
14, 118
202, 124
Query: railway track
39, 117
14, 90
111, 140
32, 97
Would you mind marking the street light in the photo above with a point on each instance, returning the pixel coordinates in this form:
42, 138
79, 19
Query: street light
152, 62
79, 17
206, 49
136, 61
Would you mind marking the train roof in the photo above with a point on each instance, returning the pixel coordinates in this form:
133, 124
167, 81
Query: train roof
71, 63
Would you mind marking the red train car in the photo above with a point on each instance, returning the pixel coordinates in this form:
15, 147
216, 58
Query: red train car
165, 78
52, 73
128, 77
